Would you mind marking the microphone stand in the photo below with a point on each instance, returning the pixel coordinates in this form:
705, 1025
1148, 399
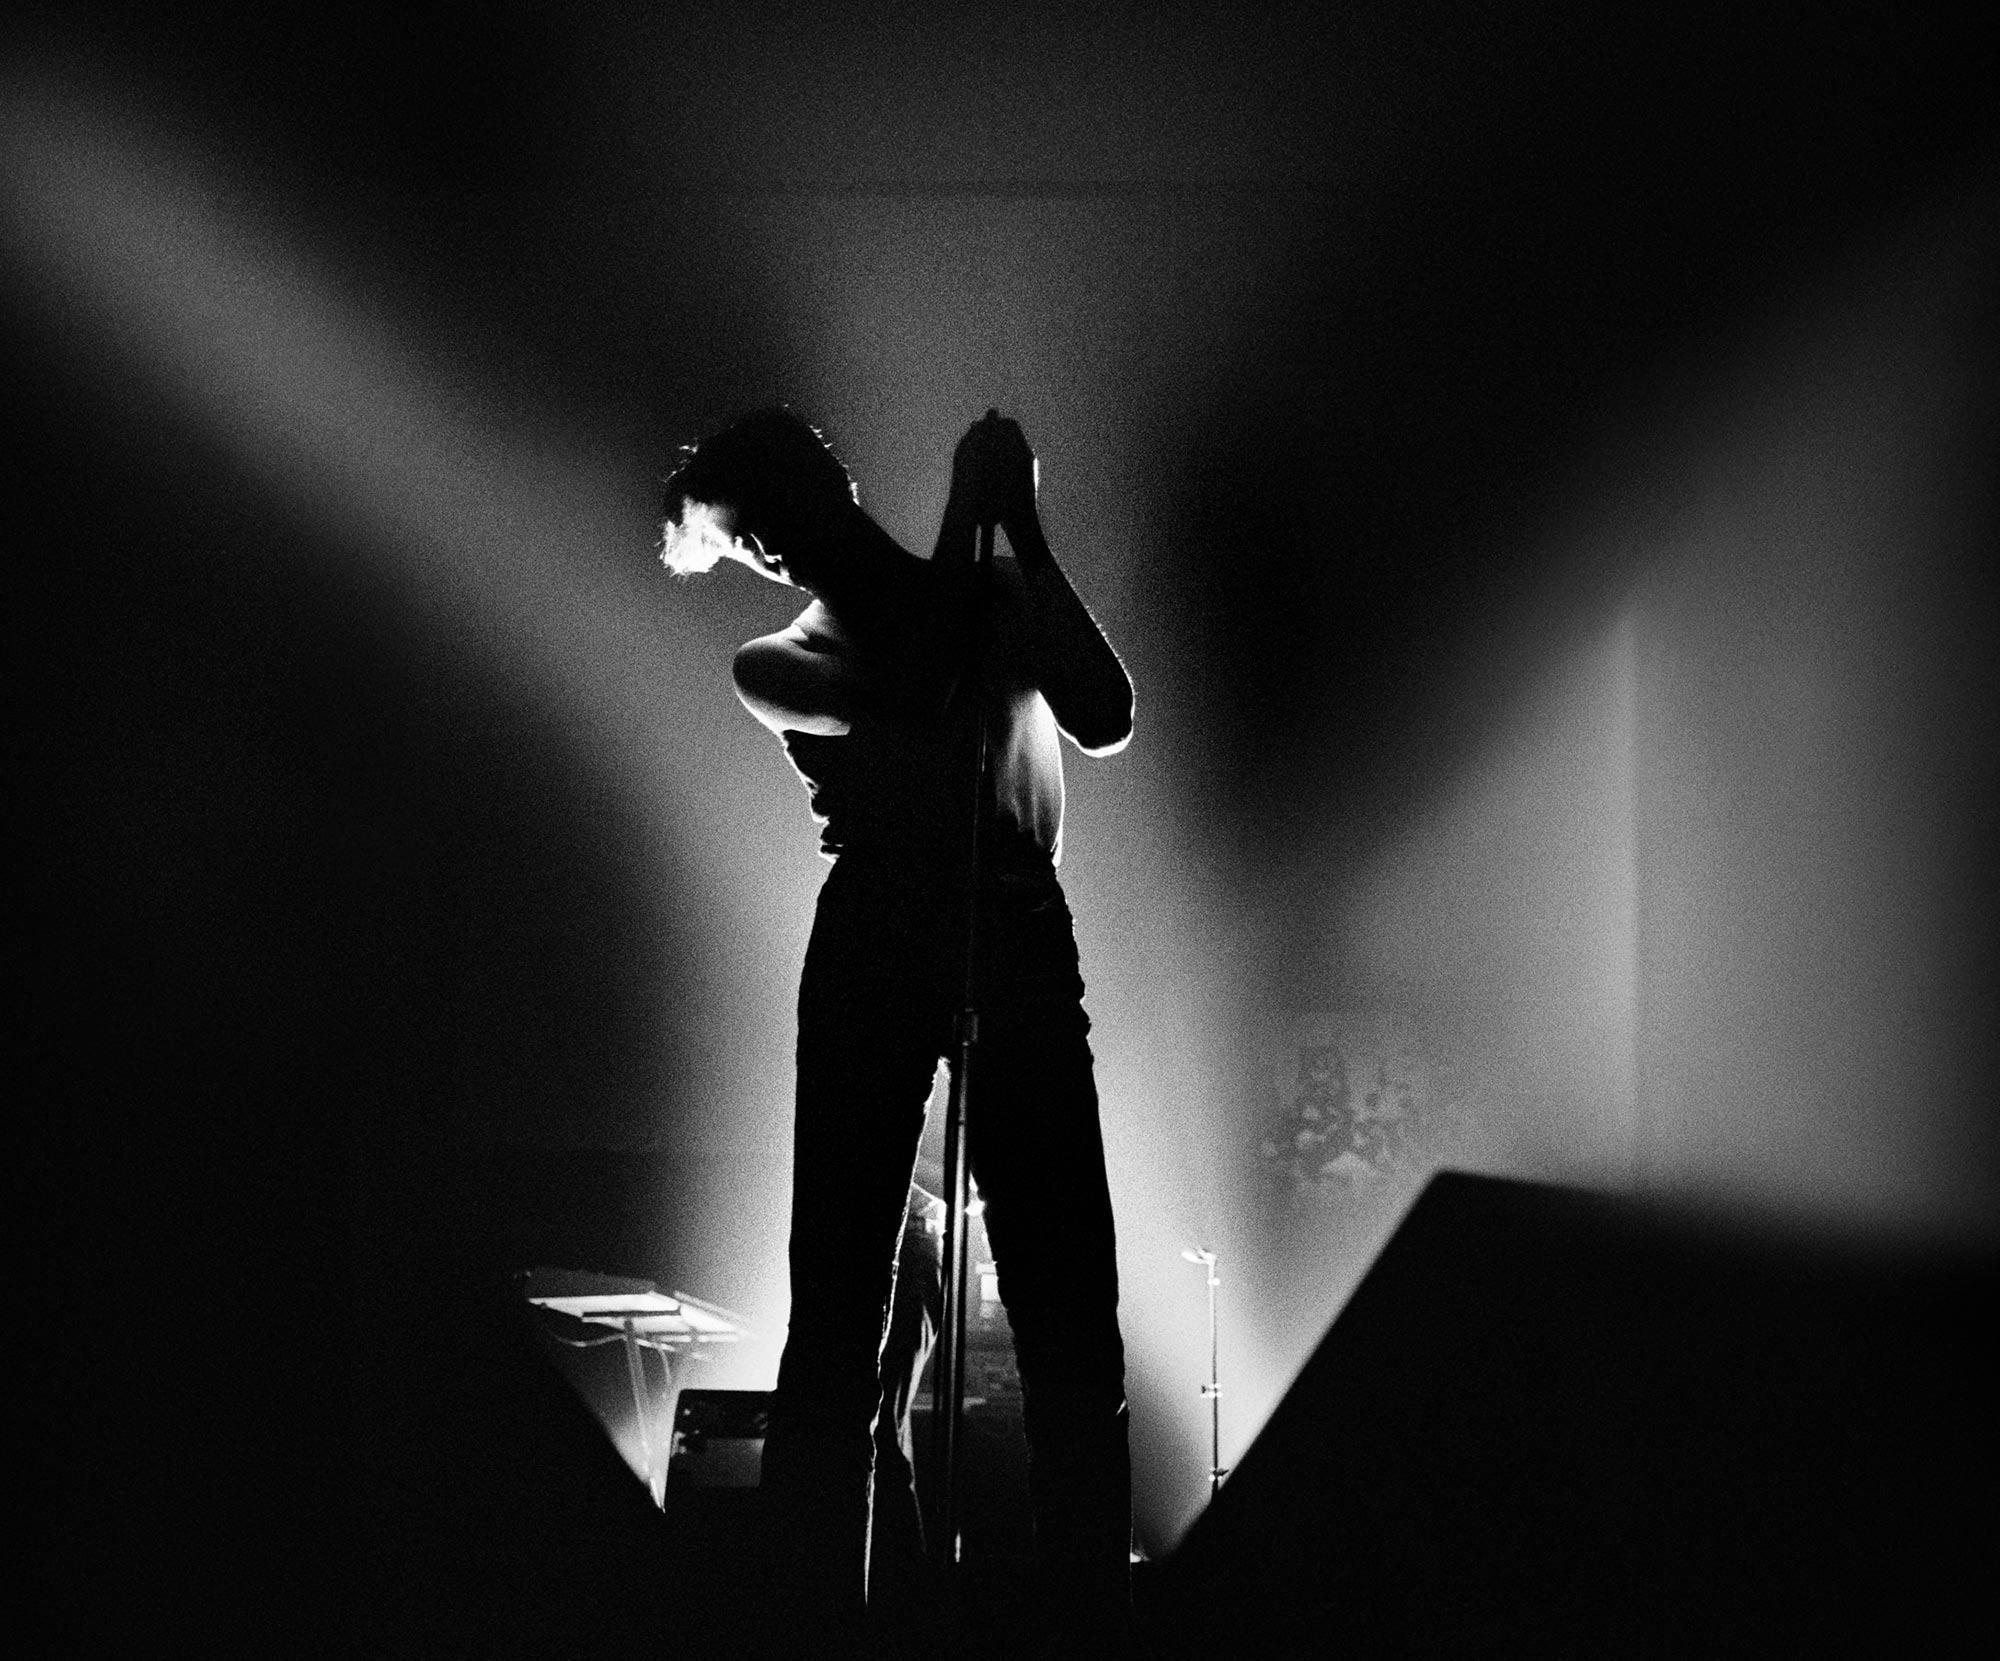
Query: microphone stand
1213, 1388
948, 1381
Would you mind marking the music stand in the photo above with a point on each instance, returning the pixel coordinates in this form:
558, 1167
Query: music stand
642, 1318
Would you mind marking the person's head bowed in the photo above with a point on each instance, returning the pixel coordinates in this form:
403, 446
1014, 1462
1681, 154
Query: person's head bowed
755, 493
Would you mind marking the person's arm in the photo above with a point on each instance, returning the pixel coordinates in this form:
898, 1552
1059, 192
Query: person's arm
1072, 664
894, 637
1075, 668
792, 684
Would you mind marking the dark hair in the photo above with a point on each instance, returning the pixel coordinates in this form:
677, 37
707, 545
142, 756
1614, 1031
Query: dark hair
759, 472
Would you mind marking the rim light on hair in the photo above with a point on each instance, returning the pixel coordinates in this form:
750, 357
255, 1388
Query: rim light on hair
699, 539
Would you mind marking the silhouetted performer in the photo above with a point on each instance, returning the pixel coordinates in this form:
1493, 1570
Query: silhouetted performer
868, 692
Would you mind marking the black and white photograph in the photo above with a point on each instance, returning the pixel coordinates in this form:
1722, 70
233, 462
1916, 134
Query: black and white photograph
1157, 831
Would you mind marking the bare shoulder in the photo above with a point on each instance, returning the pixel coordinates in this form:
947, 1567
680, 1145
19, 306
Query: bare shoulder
793, 680
815, 630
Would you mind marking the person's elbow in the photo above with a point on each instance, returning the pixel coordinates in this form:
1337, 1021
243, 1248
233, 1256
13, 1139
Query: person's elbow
1103, 729
783, 692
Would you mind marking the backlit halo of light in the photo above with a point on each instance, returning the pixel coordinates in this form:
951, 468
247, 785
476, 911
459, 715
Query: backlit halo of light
698, 539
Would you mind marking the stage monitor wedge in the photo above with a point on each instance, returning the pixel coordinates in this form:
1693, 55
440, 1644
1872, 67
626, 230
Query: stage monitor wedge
1601, 1426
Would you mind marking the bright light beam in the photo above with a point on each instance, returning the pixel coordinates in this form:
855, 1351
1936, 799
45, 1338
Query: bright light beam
530, 554
261, 348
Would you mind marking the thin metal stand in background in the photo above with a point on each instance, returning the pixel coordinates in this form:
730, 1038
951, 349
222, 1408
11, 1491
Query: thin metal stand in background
1213, 1388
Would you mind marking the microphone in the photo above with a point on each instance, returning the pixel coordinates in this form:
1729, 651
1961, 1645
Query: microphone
1194, 1254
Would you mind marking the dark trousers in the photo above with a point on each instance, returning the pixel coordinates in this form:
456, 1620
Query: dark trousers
881, 984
